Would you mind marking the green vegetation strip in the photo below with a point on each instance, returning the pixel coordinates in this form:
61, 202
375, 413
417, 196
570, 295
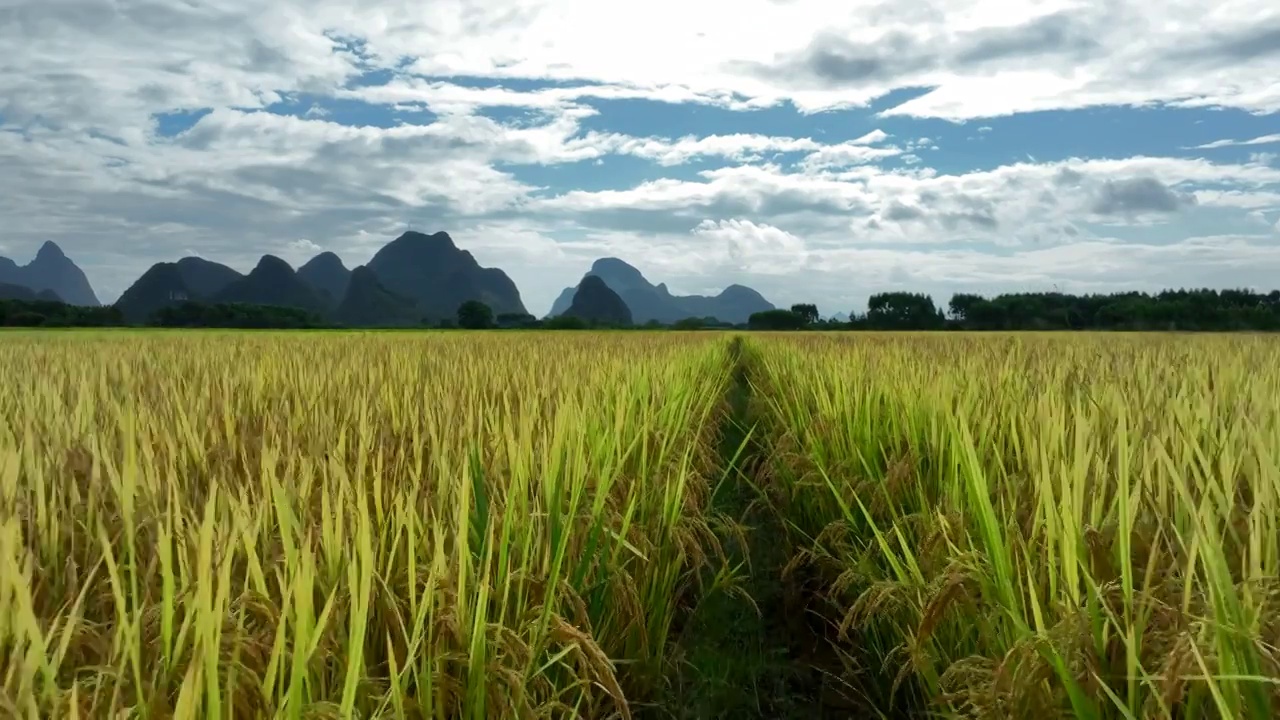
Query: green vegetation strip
741, 653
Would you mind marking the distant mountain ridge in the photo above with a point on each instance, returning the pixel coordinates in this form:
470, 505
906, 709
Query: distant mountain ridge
168, 283
596, 302
9, 291
648, 302
433, 272
206, 278
51, 270
328, 275
413, 278
271, 282
366, 302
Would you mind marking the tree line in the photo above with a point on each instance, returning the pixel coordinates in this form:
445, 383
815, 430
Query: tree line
1173, 310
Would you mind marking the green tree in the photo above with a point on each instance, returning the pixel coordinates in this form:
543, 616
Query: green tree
689, 323
903, 311
808, 311
565, 322
516, 320
474, 315
775, 320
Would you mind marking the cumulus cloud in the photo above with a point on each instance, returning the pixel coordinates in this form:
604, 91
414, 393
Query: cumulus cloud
755, 248
1025, 202
291, 135
1135, 195
245, 54
301, 250
748, 147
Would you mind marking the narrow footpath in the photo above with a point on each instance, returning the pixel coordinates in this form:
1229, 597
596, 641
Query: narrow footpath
740, 653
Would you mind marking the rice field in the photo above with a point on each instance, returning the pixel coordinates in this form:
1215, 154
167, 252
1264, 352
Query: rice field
1036, 526
492, 525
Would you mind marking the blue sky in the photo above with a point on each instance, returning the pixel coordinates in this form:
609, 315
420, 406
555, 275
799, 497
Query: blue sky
814, 154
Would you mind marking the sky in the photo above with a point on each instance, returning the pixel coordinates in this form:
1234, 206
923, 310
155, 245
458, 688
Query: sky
813, 150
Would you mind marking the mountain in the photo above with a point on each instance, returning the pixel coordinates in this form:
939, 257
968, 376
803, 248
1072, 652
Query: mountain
205, 278
50, 270
160, 286
734, 304
166, 283
595, 302
366, 302
415, 276
649, 302
438, 277
272, 282
9, 291
326, 274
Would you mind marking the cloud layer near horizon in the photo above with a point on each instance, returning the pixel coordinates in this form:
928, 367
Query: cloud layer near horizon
137, 131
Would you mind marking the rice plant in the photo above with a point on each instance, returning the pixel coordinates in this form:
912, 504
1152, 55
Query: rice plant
455, 525
370, 525
1036, 526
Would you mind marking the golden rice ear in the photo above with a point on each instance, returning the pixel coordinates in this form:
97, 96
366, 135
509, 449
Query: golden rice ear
1105, 493
404, 523
439, 525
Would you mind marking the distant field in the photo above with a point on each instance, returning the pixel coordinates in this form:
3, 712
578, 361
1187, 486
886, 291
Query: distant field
447, 524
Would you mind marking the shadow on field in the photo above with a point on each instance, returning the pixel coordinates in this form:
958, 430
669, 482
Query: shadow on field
751, 648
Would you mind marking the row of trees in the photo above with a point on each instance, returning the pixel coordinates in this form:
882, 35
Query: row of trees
190, 314
1186, 310
50, 313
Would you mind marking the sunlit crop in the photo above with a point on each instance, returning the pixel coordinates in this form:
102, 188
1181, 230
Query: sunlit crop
523, 524
223, 525
1037, 526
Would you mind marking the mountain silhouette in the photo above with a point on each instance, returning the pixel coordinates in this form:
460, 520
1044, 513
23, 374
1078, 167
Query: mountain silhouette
367, 303
50, 270
412, 278
272, 282
167, 283
595, 302
205, 278
160, 286
9, 291
734, 304
326, 274
647, 302
438, 277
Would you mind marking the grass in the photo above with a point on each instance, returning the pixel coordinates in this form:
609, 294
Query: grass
735, 654
471, 525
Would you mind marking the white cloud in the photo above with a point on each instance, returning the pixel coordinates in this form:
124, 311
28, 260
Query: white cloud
871, 138
1262, 140
301, 249
1020, 200
756, 249
92, 63
1243, 199
83, 81
739, 147
845, 154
